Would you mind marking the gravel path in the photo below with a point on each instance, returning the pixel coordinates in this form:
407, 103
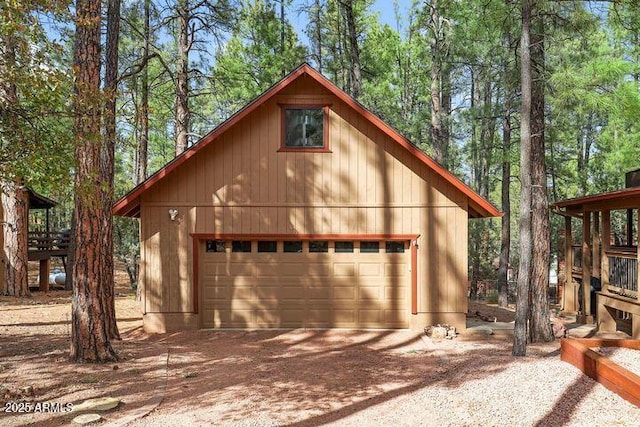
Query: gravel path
304, 378
625, 357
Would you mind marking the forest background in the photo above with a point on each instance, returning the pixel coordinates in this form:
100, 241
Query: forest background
444, 73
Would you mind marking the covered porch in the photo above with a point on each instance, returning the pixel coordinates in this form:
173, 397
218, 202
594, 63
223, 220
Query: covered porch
601, 269
44, 244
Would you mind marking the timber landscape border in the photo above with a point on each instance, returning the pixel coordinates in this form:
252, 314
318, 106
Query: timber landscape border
578, 352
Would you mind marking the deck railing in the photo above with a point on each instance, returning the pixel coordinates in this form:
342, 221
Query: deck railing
623, 272
48, 241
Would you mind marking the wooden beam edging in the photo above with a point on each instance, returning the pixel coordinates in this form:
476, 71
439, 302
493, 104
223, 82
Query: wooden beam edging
611, 375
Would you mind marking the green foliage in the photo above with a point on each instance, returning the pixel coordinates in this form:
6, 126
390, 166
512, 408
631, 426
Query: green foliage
127, 246
592, 89
391, 86
35, 138
254, 58
594, 97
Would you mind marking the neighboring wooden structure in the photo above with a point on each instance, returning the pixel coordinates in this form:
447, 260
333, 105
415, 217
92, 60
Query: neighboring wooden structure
603, 259
303, 210
45, 244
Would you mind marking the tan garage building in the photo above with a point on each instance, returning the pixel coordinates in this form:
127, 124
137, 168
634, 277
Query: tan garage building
303, 210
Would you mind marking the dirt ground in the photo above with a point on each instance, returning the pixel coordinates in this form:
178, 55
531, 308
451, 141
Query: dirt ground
290, 377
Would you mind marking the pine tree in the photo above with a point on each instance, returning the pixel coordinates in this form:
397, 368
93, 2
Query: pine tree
539, 323
252, 60
524, 273
90, 326
15, 207
33, 137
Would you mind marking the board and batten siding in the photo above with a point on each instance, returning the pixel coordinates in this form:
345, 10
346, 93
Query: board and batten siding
240, 183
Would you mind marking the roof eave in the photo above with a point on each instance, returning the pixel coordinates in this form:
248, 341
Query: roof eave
584, 202
38, 201
128, 205
481, 206
121, 206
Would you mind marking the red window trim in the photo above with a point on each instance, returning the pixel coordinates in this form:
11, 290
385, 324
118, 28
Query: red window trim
325, 129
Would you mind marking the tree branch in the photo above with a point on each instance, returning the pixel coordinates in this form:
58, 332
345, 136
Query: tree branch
137, 68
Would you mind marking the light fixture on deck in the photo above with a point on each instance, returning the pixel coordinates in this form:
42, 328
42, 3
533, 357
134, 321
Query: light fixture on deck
173, 214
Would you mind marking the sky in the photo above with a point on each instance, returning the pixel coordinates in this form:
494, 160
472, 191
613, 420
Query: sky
384, 9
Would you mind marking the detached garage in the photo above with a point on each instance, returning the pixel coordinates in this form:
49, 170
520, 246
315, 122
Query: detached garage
303, 210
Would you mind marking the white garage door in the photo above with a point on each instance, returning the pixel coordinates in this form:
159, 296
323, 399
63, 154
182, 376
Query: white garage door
313, 284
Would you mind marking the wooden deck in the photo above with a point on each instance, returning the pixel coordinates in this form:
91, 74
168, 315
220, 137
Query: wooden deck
42, 246
622, 270
613, 263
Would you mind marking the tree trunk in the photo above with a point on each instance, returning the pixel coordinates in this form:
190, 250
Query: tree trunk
182, 78
318, 33
539, 325
487, 133
343, 48
553, 172
474, 252
405, 63
15, 209
437, 134
505, 233
283, 70
474, 235
585, 138
107, 161
476, 142
354, 51
445, 110
143, 143
143, 124
90, 332
524, 271
580, 160
15, 224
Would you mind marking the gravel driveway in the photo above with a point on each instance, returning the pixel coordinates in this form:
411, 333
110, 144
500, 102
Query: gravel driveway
355, 378
297, 377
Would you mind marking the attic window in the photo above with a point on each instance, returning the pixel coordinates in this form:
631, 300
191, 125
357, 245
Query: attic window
305, 128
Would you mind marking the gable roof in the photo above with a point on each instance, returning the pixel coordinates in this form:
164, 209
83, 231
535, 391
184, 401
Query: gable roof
479, 207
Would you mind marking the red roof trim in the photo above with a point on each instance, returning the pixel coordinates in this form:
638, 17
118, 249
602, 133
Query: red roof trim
482, 207
303, 236
478, 206
596, 198
122, 207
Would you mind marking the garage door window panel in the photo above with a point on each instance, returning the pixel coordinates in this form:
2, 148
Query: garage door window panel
215, 246
344, 247
292, 246
267, 246
394, 247
241, 246
318, 246
369, 247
